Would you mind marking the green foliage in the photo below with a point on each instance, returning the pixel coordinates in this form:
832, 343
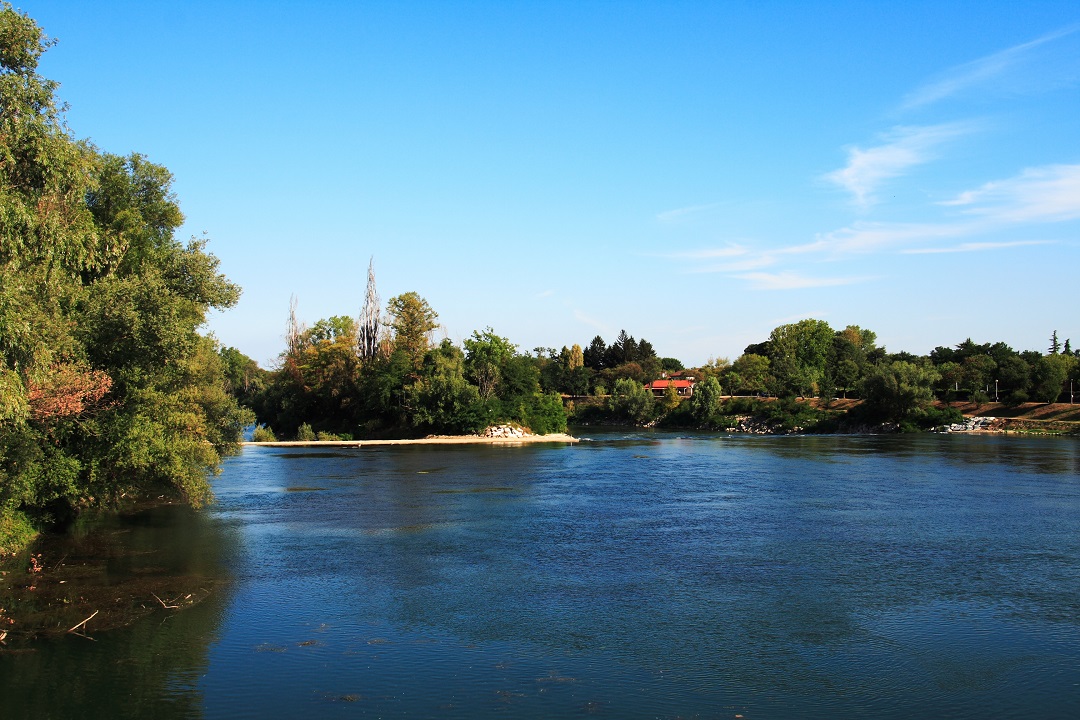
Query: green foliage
485, 355
304, 433
109, 391
631, 401
748, 375
669, 364
16, 531
412, 320
545, 414
798, 353
1049, 376
705, 401
440, 399
894, 391
263, 433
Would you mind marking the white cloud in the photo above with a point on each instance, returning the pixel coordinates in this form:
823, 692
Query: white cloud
864, 237
1044, 194
672, 215
1016, 69
793, 281
902, 148
730, 250
975, 247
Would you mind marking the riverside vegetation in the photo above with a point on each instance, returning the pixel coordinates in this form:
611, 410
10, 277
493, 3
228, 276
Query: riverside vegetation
109, 393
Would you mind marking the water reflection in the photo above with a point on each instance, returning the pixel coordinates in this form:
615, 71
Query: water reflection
116, 565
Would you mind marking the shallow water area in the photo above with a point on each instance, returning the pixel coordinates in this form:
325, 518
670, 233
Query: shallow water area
631, 575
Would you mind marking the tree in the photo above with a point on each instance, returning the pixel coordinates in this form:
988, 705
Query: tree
896, 390
749, 374
108, 389
1049, 376
485, 354
631, 401
412, 320
441, 399
367, 335
576, 359
593, 356
1055, 346
706, 400
798, 353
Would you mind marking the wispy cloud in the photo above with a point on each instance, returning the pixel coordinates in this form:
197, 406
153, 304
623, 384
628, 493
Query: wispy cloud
584, 319
1040, 195
975, 247
677, 214
1044, 194
729, 250
1016, 68
867, 237
794, 281
545, 293
902, 148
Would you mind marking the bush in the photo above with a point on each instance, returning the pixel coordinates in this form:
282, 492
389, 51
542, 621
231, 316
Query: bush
305, 433
1017, 397
263, 433
545, 414
326, 437
16, 532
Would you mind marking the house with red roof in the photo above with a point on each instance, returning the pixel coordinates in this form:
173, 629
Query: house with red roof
683, 387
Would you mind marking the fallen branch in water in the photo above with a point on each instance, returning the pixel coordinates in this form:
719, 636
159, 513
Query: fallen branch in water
167, 607
84, 622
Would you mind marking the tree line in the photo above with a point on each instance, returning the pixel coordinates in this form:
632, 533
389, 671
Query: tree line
385, 376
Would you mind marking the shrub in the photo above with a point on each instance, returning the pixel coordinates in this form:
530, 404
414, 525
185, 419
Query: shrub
545, 414
263, 433
1017, 397
16, 532
305, 433
325, 436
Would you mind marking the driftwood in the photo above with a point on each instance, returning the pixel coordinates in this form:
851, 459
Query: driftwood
83, 623
167, 607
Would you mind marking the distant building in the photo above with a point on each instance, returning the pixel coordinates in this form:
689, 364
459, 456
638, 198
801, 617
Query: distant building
683, 387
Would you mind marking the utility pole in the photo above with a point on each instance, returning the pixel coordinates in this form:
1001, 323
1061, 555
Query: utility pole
995, 390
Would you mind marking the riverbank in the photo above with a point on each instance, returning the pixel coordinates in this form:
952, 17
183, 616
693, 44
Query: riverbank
430, 440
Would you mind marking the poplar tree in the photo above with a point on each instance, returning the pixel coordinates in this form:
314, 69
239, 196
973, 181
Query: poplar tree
367, 336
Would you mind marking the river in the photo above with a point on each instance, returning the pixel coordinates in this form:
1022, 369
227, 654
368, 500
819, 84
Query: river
648, 575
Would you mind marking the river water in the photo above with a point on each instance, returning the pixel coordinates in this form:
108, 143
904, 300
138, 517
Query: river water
629, 576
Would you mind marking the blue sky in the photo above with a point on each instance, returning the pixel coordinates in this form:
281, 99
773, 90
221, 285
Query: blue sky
694, 172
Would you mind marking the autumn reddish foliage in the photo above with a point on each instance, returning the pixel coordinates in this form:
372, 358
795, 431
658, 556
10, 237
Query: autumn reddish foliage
67, 390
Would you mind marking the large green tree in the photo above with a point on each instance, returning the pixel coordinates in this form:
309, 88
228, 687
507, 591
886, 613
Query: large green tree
798, 353
108, 388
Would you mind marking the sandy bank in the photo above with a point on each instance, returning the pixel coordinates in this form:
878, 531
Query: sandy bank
430, 440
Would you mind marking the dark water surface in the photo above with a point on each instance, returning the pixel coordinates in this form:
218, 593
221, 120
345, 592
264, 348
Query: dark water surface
627, 577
